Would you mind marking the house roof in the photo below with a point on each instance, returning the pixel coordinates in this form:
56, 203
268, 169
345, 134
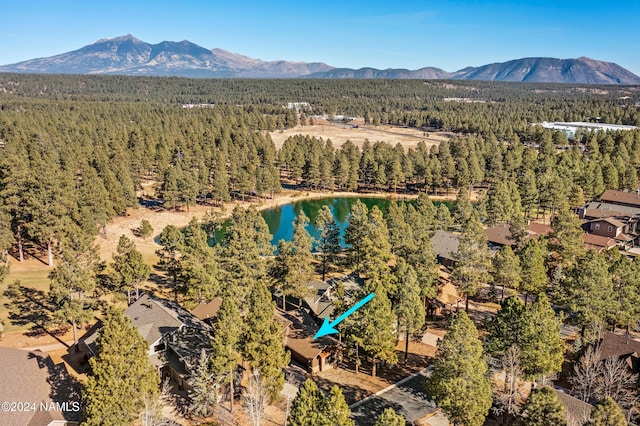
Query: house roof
610, 209
445, 244
576, 411
620, 197
319, 302
156, 317
540, 228
499, 234
207, 310
32, 377
300, 337
616, 346
598, 242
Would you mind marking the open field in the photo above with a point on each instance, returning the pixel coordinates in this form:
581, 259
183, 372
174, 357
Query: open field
340, 133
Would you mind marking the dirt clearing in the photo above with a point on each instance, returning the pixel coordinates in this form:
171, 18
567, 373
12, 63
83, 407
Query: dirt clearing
340, 133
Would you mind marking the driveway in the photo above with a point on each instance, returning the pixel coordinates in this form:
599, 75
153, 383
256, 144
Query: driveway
407, 398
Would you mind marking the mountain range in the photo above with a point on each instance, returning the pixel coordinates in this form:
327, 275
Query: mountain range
128, 55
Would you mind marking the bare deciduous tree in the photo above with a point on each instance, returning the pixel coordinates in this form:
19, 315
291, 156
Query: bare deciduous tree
586, 373
256, 397
509, 396
152, 414
617, 381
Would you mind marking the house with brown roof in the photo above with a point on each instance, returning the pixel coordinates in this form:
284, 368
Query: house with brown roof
315, 355
207, 310
622, 198
39, 392
621, 347
597, 242
577, 412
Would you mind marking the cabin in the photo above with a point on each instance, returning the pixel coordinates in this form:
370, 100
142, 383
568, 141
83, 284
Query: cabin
314, 355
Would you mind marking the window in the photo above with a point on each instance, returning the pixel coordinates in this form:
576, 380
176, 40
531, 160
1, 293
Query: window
609, 228
597, 226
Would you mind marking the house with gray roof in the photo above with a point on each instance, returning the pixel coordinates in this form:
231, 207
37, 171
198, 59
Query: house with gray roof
43, 393
445, 245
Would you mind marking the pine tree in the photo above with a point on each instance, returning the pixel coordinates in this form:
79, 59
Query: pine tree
329, 241
262, 344
293, 268
121, 376
459, 382
534, 274
145, 230
336, 409
390, 418
172, 242
506, 269
473, 260
308, 406
375, 326
356, 232
409, 308
509, 327
73, 281
129, 266
543, 409
202, 393
543, 350
225, 344
607, 413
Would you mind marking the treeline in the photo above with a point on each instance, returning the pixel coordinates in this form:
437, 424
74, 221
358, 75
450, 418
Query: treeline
539, 172
71, 161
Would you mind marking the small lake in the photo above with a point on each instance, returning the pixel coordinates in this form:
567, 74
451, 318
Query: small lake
280, 219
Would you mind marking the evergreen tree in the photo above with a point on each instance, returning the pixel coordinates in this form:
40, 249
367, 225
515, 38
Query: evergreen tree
262, 344
121, 376
543, 350
329, 241
534, 274
336, 409
202, 393
409, 309
293, 268
543, 409
145, 230
225, 344
473, 260
459, 382
607, 413
308, 406
73, 282
129, 267
506, 269
356, 232
172, 242
390, 418
509, 327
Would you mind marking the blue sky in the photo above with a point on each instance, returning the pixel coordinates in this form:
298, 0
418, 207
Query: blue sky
382, 34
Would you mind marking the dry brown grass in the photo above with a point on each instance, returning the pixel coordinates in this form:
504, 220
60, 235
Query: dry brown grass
340, 133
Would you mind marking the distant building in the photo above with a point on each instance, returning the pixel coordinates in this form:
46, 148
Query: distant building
570, 128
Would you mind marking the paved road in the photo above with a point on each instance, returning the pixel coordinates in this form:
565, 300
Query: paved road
407, 399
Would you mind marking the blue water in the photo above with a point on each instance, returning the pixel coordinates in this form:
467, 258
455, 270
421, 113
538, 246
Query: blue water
280, 219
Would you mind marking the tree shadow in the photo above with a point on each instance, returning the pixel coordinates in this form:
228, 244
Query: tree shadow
64, 388
29, 306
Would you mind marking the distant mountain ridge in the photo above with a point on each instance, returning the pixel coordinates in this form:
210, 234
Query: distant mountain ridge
127, 55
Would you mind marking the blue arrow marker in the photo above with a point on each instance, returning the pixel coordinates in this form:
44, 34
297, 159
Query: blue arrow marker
328, 327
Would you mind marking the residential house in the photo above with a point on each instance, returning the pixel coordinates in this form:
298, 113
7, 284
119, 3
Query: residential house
577, 412
621, 347
207, 310
315, 355
175, 337
38, 391
621, 198
612, 228
445, 245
